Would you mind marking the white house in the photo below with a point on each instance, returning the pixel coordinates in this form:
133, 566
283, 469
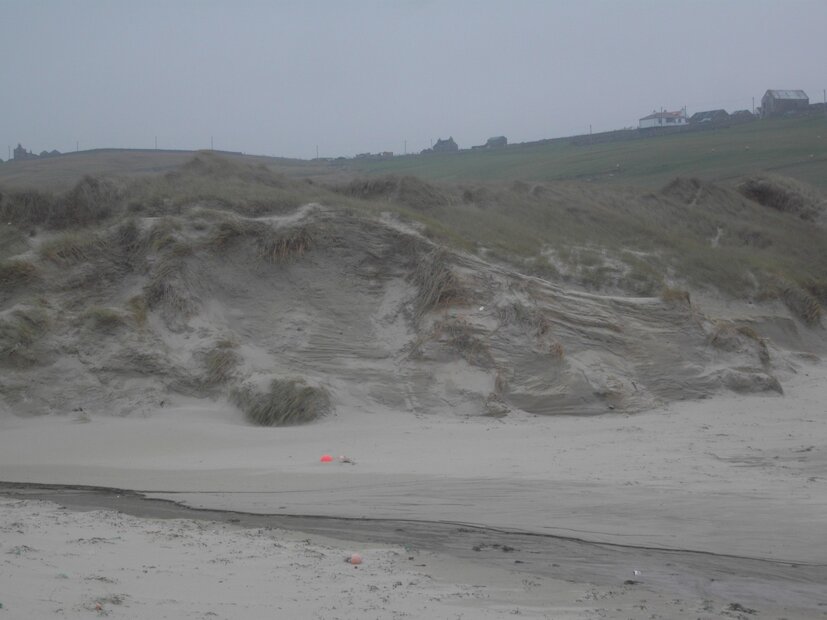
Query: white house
663, 119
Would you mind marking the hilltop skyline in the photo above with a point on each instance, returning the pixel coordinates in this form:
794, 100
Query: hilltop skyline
349, 77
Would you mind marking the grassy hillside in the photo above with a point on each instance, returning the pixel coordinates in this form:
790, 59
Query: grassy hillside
761, 239
60, 173
793, 147
796, 147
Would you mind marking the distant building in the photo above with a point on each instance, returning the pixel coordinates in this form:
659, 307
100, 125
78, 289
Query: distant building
21, 154
663, 119
445, 146
382, 155
492, 143
820, 108
780, 102
742, 115
710, 116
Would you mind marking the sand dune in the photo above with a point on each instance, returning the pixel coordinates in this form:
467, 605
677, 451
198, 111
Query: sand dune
464, 394
374, 314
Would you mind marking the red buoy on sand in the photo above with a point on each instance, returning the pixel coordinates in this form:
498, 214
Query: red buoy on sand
355, 558
326, 458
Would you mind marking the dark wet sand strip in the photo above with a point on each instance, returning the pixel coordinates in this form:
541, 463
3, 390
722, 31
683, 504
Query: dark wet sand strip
682, 572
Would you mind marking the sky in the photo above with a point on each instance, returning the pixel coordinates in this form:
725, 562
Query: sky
284, 78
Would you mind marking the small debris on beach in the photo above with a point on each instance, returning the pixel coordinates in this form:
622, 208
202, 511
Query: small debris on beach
741, 609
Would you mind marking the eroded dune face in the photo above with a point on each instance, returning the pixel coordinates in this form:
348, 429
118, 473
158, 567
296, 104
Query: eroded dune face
291, 316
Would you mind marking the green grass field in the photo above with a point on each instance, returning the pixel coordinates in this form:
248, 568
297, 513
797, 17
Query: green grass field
793, 147
60, 173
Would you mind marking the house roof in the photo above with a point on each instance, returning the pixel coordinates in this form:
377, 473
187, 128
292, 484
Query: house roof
678, 114
710, 114
787, 94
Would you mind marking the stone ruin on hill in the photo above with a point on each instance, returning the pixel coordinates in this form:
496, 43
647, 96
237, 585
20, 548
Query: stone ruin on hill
443, 146
21, 154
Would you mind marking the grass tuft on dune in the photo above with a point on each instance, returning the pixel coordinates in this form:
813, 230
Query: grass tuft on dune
286, 402
437, 285
19, 331
17, 273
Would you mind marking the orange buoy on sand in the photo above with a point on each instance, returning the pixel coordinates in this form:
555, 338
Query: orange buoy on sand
355, 558
326, 458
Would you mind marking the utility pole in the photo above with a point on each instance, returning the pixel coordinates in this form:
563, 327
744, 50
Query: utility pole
753, 106
10, 152
211, 148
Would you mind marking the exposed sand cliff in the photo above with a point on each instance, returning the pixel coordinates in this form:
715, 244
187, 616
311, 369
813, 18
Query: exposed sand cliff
211, 303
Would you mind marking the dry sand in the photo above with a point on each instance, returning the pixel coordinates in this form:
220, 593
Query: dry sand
58, 563
65, 564
742, 479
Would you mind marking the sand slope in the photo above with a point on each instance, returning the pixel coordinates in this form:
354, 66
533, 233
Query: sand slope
210, 302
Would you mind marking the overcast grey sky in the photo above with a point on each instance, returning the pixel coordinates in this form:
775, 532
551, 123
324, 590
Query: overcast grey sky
279, 78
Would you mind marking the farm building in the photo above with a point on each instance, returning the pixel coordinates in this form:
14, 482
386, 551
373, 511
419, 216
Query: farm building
663, 119
445, 146
710, 116
779, 102
742, 115
492, 143
21, 153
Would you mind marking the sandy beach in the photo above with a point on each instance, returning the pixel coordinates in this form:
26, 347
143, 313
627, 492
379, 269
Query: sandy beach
67, 564
413, 310
740, 479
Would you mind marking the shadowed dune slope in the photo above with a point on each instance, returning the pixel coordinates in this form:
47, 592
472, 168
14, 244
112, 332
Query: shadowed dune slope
318, 307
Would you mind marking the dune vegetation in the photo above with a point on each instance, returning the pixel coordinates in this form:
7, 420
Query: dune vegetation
751, 238
222, 276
